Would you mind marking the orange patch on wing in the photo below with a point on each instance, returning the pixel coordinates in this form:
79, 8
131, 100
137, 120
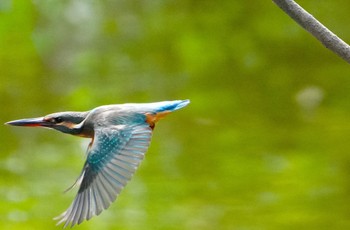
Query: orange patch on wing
152, 118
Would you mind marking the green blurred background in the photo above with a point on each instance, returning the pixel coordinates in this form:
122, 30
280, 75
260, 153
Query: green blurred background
264, 144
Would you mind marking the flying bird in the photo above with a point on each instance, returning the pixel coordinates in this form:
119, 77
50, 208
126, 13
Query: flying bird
120, 136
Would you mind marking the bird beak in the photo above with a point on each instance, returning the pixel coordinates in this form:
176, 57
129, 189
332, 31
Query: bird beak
31, 122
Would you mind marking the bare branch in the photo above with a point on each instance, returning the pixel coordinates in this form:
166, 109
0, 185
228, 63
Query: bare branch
309, 23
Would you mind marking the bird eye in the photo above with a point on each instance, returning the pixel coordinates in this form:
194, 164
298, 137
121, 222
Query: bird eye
57, 120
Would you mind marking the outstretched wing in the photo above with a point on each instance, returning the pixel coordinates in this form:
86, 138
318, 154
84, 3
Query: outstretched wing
112, 159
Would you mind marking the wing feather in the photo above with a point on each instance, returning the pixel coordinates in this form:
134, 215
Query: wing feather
73, 211
79, 214
85, 207
117, 177
92, 204
111, 162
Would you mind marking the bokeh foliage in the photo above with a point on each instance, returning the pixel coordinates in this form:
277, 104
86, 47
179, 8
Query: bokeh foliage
264, 143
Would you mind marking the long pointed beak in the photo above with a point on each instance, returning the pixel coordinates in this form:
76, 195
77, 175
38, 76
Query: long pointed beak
30, 122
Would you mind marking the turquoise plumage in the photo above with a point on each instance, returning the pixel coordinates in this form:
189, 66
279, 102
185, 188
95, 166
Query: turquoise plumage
121, 135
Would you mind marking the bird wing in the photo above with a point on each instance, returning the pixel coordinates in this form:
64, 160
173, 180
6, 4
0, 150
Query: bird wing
112, 158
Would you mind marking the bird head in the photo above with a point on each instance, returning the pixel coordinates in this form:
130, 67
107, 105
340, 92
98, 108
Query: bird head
66, 122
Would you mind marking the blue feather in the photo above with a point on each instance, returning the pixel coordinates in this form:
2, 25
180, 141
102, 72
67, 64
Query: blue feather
172, 105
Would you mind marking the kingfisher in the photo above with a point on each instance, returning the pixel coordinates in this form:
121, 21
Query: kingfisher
120, 136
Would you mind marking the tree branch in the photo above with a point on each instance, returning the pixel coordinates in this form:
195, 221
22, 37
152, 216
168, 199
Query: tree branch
319, 31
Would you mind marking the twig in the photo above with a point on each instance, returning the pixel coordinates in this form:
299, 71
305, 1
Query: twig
309, 23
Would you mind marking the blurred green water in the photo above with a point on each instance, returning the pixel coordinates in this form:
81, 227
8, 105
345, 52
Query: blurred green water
264, 143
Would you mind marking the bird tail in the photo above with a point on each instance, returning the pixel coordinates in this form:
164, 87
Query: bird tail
171, 105
161, 109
